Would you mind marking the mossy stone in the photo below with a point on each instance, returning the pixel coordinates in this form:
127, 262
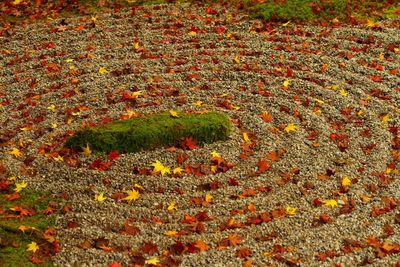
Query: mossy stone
152, 131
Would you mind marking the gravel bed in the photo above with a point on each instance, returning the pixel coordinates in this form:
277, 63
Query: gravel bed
344, 81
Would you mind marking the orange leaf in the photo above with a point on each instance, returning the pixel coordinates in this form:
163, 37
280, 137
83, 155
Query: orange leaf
234, 239
265, 116
201, 245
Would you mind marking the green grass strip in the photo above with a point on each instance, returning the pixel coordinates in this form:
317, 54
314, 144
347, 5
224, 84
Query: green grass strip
152, 131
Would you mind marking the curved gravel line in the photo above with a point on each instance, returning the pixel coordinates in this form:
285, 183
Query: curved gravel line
230, 66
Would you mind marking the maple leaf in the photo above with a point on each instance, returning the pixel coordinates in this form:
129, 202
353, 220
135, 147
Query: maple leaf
189, 143
343, 92
262, 165
99, 197
172, 207
173, 113
236, 59
33, 247
346, 181
132, 195
153, 260
201, 245
177, 170
171, 233
209, 198
102, 70
330, 203
286, 83
17, 2
291, 127
86, 150
15, 152
19, 186
22, 228
246, 137
290, 210
215, 154
159, 167
234, 239
265, 116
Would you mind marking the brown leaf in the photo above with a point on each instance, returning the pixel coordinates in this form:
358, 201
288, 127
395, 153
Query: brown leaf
243, 253
149, 248
85, 244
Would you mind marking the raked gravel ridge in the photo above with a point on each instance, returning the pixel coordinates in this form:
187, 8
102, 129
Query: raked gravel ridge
345, 82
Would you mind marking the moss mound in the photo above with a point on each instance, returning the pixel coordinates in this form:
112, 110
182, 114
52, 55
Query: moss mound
153, 131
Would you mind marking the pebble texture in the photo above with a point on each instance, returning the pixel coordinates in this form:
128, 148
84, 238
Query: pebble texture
229, 63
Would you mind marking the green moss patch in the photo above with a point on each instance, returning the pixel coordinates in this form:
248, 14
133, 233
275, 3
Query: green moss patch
152, 131
22, 222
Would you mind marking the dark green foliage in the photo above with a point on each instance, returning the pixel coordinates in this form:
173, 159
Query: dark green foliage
309, 10
297, 9
152, 131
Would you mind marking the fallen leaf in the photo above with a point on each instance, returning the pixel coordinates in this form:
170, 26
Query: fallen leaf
15, 152
291, 211
132, 195
173, 113
172, 207
291, 127
330, 203
19, 186
102, 70
99, 197
86, 150
33, 247
153, 260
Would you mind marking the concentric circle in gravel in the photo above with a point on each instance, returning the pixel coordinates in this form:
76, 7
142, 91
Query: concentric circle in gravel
317, 104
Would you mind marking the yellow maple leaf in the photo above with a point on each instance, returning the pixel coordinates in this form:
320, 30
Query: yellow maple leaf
286, 83
198, 103
171, 233
209, 198
132, 195
246, 137
173, 113
370, 23
215, 154
346, 181
285, 24
214, 168
86, 150
236, 60
290, 210
172, 207
343, 92
102, 70
382, 56
385, 118
22, 228
192, 33
19, 186
94, 19
153, 260
159, 167
15, 152
53, 125
17, 2
291, 127
177, 170
99, 197
136, 94
330, 203
136, 45
51, 107
33, 247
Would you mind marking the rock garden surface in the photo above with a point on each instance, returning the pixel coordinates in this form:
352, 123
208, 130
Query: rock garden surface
308, 177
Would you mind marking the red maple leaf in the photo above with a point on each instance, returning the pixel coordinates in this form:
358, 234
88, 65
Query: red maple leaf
262, 165
188, 143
